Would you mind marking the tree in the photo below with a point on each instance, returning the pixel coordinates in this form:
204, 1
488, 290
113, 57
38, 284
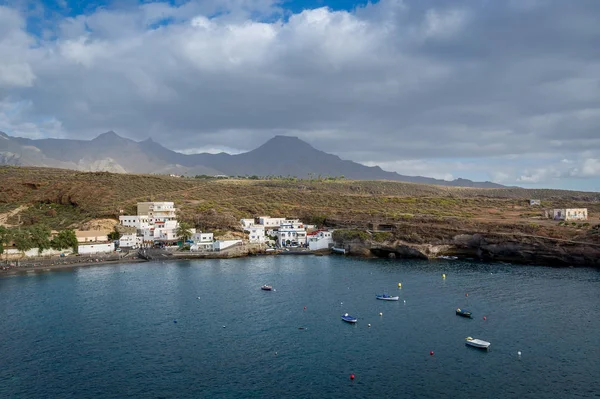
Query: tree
65, 239
39, 236
4, 238
184, 231
114, 235
22, 240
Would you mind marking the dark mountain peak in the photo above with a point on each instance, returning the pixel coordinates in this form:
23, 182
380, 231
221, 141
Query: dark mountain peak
108, 136
280, 142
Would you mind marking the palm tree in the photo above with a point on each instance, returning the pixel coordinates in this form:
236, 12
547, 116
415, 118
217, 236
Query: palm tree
183, 231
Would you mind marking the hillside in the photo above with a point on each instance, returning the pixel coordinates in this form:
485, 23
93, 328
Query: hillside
64, 198
280, 156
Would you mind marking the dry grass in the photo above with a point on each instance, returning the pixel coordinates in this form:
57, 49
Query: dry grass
78, 197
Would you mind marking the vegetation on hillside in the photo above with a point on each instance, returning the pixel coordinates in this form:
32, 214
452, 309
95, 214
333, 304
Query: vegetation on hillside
64, 199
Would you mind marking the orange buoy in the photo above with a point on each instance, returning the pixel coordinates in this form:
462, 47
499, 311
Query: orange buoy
484, 318
431, 353
466, 294
351, 376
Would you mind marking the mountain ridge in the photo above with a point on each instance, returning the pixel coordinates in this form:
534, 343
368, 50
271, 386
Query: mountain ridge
281, 155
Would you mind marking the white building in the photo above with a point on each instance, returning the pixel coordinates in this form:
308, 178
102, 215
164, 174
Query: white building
247, 222
291, 234
131, 240
256, 234
155, 222
570, 214
268, 221
224, 244
96, 248
320, 239
202, 241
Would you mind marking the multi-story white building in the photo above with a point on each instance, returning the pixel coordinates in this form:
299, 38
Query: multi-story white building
320, 239
291, 234
155, 222
256, 234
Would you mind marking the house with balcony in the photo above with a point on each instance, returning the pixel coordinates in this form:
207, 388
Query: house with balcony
202, 241
291, 235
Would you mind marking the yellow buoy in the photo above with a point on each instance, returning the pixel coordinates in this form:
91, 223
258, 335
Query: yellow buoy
399, 285
380, 313
443, 276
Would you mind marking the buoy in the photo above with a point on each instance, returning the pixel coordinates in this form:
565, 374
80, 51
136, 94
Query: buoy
174, 321
223, 326
519, 353
368, 325
275, 353
198, 298
380, 313
305, 308
484, 318
443, 276
351, 376
466, 294
431, 353
399, 285
405, 301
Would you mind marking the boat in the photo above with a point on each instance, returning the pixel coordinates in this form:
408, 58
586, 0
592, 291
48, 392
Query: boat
349, 319
464, 313
386, 297
477, 343
266, 288
448, 257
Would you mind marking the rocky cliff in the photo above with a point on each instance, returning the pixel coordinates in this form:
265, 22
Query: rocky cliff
487, 247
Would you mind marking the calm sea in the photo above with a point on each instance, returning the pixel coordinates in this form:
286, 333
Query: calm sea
110, 332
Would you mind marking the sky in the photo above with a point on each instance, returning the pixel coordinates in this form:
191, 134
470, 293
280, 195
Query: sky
500, 90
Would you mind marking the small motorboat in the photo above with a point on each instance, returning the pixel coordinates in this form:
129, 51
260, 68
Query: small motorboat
464, 313
386, 297
477, 343
349, 319
266, 288
448, 257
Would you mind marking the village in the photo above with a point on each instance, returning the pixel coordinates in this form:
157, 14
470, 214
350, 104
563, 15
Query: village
156, 226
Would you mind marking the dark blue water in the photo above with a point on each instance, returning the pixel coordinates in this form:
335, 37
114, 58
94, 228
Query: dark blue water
109, 332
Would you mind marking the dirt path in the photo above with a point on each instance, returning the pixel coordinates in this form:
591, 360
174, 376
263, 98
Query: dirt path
5, 216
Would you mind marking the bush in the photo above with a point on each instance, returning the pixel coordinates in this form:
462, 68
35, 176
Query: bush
349, 235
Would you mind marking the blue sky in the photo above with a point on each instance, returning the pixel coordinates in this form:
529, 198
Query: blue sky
506, 91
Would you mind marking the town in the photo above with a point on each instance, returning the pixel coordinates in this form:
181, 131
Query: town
156, 226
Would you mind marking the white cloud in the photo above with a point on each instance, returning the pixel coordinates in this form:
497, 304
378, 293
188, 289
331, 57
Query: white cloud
385, 84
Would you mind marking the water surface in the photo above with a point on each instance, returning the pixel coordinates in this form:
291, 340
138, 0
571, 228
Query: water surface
109, 331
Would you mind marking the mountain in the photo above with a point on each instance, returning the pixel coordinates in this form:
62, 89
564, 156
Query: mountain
281, 155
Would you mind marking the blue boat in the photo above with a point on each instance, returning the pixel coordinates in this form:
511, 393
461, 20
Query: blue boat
349, 319
386, 297
464, 313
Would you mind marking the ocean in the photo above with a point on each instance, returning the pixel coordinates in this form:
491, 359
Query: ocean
205, 329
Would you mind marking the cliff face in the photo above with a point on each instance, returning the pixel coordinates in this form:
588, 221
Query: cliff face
490, 247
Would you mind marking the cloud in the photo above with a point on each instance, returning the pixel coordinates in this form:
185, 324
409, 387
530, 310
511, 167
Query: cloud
413, 86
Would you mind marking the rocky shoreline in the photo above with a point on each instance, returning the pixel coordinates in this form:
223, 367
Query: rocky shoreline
485, 247
530, 250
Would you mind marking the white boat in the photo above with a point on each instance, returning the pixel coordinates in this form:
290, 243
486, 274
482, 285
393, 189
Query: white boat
386, 297
477, 343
